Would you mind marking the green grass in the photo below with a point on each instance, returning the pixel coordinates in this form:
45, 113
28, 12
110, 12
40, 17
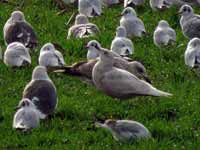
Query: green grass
174, 122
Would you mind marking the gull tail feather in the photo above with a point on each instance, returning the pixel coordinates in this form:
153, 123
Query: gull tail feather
156, 92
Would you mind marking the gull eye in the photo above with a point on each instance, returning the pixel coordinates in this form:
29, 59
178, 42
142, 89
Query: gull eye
96, 46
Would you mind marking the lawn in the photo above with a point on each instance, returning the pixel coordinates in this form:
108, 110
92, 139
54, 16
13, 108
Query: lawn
174, 122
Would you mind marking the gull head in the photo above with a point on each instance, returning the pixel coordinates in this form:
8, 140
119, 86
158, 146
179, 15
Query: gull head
121, 31
129, 11
25, 103
110, 123
48, 47
17, 16
105, 55
139, 70
81, 19
40, 73
186, 10
163, 24
17, 46
195, 43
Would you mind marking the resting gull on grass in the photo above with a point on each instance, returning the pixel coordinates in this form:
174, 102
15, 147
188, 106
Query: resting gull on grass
82, 28
125, 130
17, 55
50, 57
17, 29
190, 22
164, 35
119, 83
192, 53
133, 25
42, 92
90, 8
121, 44
26, 116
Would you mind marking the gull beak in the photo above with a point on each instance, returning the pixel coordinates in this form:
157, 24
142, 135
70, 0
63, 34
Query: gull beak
87, 47
119, 15
16, 108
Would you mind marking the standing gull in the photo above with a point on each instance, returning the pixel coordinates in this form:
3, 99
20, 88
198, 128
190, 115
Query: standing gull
42, 92
82, 28
192, 53
50, 57
121, 44
190, 22
26, 116
125, 130
90, 8
134, 26
17, 29
17, 55
132, 3
164, 34
119, 83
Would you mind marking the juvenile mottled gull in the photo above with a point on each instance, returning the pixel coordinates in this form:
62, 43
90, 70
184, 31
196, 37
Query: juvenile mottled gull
50, 57
190, 22
26, 116
90, 8
17, 29
84, 69
134, 26
164, 34
132, 3
17, 55
125, 130
42, 92
119, 83
192, 53
82, 28
121, 44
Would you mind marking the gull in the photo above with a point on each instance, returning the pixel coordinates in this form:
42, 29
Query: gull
164, 34
192, 53
90, 8
50, 57
133, 25
17, 29
121, 44
125, 130
42, 92
82, 28
17, 55
190, 22
26, 116
119, 83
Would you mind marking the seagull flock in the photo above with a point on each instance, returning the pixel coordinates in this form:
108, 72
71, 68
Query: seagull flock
112, 71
